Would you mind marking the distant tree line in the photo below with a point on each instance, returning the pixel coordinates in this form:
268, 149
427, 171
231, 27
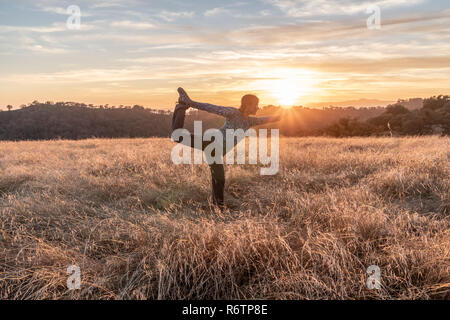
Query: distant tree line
432, 118
70, 120
302, 121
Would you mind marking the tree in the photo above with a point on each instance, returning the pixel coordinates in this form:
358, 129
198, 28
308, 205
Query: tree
396, 109
435, 103
9, 107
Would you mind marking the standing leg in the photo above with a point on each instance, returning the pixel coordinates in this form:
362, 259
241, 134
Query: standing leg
217, 170
218, 183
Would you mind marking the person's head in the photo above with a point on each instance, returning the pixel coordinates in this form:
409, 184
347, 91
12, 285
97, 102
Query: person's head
249, 104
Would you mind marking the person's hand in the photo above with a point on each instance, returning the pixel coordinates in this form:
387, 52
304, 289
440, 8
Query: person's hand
184, 98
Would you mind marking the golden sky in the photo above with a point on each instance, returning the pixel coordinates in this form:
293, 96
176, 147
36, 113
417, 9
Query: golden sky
285, 51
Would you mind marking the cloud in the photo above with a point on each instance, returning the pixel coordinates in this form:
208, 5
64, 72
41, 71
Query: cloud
133, 25
305, 8
235, 10
47, 50
57, 10
107, 4
316, 33
172, 15
63, 10
216, 11
378, 68
150, 47
56, 27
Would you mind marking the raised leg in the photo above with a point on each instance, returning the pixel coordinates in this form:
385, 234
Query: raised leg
179, 114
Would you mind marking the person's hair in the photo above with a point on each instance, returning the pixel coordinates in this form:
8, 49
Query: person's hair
248, 99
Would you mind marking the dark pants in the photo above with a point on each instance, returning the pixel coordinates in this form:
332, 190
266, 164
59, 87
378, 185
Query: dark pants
217, 170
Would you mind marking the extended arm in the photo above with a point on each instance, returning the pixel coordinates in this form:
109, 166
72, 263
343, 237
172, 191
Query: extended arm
256, 121
211, 108
219, 110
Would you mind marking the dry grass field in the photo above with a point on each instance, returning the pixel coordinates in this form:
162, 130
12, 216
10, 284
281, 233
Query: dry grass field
141, 228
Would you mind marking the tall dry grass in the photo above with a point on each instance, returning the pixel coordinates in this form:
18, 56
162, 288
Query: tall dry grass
141, 228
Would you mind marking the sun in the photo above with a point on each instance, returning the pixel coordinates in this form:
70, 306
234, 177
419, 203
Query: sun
288, 86
286, 92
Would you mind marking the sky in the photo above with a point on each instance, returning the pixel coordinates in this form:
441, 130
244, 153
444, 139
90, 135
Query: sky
288, 52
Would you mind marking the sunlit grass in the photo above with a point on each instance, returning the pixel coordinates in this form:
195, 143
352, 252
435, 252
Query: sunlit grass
140, 227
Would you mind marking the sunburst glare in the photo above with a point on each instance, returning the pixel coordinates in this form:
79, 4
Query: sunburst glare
288, 86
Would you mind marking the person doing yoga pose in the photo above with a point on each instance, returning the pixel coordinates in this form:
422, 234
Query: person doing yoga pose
235, 119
